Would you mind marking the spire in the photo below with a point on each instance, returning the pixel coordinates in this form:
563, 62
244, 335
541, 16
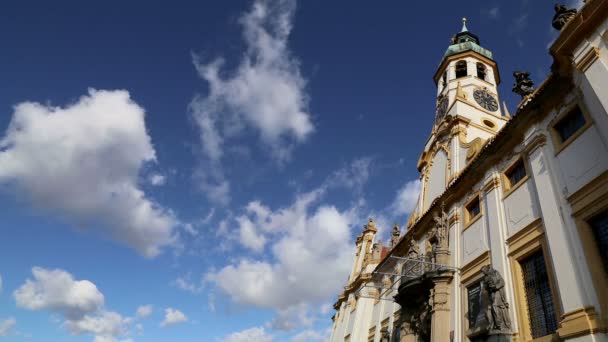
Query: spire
464, 25
370, 226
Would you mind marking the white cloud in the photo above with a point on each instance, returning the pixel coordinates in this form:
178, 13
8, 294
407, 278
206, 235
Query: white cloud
310, 335
266, 93
185, 283
106, 326
292, 318
494, 12
78, 301
83, 161
306, 239
157, 179
144, 311
56, 290
406, 198
173, 316
353, 176
257, 334
7, 325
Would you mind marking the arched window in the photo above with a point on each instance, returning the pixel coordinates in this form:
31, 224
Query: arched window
445, 77
481, 71
461, 69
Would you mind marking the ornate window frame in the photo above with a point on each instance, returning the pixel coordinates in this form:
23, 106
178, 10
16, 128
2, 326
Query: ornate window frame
468, 219
558, 144
522, 244
587, 202
470, 274
509, 188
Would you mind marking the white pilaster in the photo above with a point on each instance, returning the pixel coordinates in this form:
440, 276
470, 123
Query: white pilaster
568, 276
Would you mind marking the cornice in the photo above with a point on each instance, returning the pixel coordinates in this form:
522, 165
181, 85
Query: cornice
492, 184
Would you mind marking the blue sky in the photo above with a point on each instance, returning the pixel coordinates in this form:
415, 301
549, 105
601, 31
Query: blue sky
199, 170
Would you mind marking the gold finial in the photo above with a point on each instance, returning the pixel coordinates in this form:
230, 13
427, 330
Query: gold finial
464, 25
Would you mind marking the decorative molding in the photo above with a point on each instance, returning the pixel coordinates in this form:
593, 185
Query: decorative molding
592, 193
579, 322
454, 218
591, 56
522, 239
473, 268
461, 94
474, 147
492, 184
539, 140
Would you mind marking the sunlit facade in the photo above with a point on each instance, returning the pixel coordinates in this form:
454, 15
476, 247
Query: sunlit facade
509, 238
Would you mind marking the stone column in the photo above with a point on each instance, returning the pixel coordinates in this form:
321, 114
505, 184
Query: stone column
440, 321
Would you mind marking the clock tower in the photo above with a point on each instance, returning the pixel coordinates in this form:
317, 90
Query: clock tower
467, 114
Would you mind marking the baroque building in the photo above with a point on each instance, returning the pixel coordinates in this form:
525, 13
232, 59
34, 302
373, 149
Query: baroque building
509, 238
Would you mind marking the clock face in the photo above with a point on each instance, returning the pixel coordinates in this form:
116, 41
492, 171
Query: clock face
485, 99
442, 108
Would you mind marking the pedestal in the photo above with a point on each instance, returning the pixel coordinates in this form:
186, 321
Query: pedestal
440, 324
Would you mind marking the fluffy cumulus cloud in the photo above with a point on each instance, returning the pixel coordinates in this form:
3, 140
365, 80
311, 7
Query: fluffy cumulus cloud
144, 311
172, 317
79, 302
7, 325
257, 334
56, 290
264, 94
293, 317
304, 237
106, 326
406, 198
83, 161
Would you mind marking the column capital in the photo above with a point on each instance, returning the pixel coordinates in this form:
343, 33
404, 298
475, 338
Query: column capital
492, 184
537, 141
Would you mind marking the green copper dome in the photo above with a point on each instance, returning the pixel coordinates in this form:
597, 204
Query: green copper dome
465, 41
467, 46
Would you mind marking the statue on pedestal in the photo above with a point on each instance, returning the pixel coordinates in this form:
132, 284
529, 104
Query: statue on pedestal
523, 86
441, 231
498, 308
395, 236
562, 16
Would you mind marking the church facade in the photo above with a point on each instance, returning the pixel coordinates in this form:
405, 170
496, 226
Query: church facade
509, 238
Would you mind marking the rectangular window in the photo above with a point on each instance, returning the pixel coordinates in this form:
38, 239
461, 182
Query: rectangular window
541, 310
474, 304
599, 226
473, 209
570, 124
516, 173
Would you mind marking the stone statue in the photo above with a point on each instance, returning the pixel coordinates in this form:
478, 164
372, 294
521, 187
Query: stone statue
377, 251
562, 16
523, 86
498, 308
395, 235
385, 335
414, 251
441, 223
